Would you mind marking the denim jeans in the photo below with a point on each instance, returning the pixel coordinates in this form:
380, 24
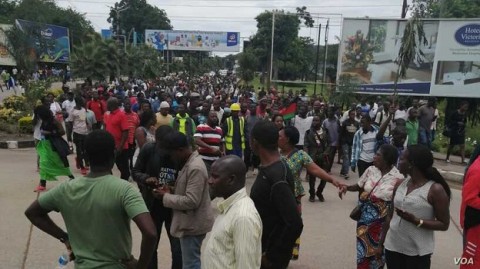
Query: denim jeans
191, 246
238, 152
425, 137
347, 154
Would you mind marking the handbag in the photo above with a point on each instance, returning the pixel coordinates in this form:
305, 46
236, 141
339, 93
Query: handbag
357, 211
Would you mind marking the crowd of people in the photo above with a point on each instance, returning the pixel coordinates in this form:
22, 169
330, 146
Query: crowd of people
198, 139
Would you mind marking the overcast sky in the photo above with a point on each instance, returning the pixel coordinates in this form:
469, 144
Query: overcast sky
239, 15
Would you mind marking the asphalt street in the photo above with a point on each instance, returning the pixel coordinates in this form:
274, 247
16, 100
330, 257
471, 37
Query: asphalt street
328, 239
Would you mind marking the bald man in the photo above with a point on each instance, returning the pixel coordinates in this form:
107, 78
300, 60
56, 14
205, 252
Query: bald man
235, 239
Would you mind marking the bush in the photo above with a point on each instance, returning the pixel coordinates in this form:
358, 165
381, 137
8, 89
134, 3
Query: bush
15, 102
25, 125
55, 92
9, 115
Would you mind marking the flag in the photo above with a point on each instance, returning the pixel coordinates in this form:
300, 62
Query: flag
288, 112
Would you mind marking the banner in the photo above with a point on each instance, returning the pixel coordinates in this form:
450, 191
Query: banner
51, 43
5, 57
193, 40
449, 66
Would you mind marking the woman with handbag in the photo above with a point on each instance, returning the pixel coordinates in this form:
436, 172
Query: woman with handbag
421, 203
297, 160
52, 149
376, 189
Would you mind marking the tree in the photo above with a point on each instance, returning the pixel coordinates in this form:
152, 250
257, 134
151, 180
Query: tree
137, 16
347, 85
452, 8
6, 9
47, 12
248, 63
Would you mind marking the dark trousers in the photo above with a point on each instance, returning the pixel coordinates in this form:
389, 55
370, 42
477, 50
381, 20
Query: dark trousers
362, 166
79, 141
397, 260
97, 126
69, 130
312, 180
131, 152
121, 160
160, 215
247, 159
331, 158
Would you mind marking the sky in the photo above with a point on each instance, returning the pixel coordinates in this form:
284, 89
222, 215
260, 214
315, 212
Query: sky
239, 15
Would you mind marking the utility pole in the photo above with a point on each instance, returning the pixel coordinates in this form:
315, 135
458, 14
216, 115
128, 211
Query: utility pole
325, 55
269, 81
316, 61
117, 11
404, 9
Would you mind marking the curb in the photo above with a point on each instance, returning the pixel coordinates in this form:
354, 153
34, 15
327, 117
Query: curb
17, 144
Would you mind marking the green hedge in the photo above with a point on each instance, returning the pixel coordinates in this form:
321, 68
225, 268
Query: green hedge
25, 125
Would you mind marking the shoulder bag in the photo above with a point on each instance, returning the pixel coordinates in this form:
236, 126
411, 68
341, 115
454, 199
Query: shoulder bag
357, 211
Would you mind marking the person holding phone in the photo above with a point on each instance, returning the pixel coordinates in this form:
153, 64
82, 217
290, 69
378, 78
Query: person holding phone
153, 169
421, 204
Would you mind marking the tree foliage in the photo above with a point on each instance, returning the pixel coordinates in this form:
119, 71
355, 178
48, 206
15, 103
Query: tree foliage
138, 15
248, 63
452, 8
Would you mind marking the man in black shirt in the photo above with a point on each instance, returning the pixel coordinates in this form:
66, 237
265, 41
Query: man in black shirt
274, 198
155, 168
349, 127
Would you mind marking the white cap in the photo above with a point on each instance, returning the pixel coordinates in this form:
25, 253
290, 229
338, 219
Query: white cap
164, 104
179, 94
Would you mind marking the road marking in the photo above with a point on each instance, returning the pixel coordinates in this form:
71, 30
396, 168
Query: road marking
450, 172
27, 249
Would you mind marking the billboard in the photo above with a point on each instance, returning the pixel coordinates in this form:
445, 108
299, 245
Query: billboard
449, 66
193, 40
5, 57
106, 33
51, 43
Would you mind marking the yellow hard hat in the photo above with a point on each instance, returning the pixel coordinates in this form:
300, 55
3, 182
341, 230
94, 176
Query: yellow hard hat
235, 107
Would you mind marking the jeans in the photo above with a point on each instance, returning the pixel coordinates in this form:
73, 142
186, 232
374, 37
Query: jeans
362, 166
79, 141
347, 154
191, 246
160, 215
397, 260
121, 160
238, 152
425, 137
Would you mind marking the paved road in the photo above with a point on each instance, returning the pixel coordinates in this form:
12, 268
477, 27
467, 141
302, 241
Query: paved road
328, 240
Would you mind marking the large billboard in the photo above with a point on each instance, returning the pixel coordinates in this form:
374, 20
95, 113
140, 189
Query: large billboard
5, 57
193, 40
51, 43
450, 65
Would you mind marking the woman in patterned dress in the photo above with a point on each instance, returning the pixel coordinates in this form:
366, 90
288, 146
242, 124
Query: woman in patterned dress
376, 189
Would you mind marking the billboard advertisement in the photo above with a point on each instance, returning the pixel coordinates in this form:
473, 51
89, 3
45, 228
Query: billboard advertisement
193, 40
5, 57
449, 66
51, 43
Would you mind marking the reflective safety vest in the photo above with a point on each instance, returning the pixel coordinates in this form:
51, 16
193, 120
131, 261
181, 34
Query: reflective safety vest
229, 136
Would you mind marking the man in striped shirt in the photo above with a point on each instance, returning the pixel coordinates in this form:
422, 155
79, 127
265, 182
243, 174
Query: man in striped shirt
209, 139
364, 145
235, 239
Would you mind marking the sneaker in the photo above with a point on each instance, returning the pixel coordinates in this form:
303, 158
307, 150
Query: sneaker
40, 188
312, 198
83, 171
346, 176
320, 197
447, 160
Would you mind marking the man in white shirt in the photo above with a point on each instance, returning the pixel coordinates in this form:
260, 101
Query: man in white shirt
235, 239
67, 107
302, 123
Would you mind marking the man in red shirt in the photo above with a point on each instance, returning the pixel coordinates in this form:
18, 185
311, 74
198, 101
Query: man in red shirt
133, 122
98, 109
116, 123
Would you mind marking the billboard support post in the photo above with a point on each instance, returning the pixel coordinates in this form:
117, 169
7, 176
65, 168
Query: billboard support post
317, 59
269, 81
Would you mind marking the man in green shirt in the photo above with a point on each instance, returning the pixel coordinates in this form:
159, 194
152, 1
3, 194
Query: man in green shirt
97, 210
412, 127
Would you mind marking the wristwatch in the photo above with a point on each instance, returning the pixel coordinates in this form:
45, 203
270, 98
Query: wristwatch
420, 223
